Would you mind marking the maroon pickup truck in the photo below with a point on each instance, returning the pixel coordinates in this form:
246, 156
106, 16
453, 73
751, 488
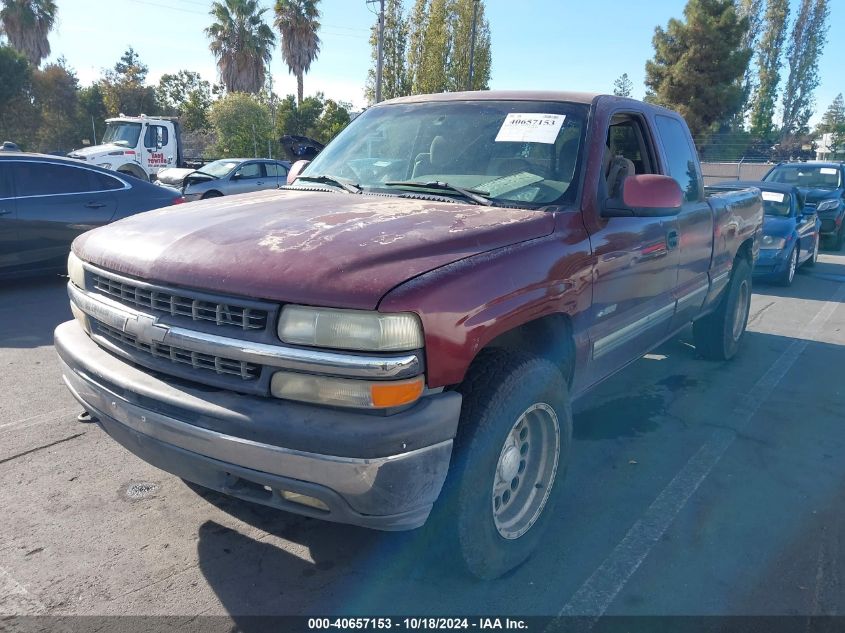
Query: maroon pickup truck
402, 329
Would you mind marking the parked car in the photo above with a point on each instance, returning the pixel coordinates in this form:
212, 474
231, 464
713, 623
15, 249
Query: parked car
369, 359
46, 202
822, 184
791, 230
300, 147
234, 175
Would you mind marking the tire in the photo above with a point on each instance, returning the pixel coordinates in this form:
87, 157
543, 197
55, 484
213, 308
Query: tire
211, 194
788, 275
718, 335
815, 256
494, 523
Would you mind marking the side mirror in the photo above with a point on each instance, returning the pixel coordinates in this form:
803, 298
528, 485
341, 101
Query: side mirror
296, 169
646, 195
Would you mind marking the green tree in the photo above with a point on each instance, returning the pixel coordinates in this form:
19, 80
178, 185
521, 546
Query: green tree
55, 94
623, 87
699, 64
298, 22
806, 43
187, 95
833, 122
18, 116
395, 81
92, 113
242, 124
242, 43
752, 11
417, 26
769, 50
299, 118
124, 89
431, 77
334, 118
27, 24
460, 22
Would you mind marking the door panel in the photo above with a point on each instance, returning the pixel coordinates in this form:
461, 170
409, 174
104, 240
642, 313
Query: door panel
251, 177
633, 302
8, 218
52, 211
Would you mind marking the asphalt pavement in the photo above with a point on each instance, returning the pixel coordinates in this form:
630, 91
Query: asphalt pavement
695, 488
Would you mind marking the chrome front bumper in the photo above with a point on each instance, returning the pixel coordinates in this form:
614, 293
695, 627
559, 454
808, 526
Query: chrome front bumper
177, 428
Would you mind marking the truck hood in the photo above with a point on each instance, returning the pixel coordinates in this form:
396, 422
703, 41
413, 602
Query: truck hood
98, 150
316, 248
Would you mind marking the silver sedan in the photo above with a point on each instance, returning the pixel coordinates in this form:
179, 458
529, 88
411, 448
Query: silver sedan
230, 176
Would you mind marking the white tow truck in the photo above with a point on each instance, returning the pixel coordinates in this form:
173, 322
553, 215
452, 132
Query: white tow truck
139, 146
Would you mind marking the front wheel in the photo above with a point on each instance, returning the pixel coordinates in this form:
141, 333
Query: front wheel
815, 256
512, 447
788, 275
718, 335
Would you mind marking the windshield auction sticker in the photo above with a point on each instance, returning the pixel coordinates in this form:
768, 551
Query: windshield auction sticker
531, 127
772, 196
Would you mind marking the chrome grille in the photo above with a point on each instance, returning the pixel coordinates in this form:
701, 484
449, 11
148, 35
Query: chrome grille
165, 302
197, 360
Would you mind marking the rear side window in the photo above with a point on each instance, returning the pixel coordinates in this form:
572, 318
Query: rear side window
275, 170
680, 157
106, 183
44, 179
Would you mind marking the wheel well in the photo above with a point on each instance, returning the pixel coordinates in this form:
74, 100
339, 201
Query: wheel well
211, 193
133, 170
548, 337
744, 251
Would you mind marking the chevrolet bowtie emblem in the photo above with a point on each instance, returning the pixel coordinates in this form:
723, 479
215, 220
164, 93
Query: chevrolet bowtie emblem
146, 329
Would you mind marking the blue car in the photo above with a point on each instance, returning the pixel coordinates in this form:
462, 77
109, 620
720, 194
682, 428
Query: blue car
791, 231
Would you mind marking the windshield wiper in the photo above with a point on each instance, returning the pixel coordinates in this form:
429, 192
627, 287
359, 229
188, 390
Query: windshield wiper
470, 194
343, 183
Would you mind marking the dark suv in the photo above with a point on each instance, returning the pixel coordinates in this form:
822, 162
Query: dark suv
822, 184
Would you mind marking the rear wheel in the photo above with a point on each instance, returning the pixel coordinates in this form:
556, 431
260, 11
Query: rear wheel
512, 446
718, 335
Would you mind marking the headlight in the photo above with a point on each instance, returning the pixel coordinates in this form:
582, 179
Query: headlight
343, 392
104, 165
350, 329
75, 270
773, 242
827, 205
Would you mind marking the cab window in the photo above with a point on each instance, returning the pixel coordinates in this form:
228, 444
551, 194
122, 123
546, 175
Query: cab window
681, 158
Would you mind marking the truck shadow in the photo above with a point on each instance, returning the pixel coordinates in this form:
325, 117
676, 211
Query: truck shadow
810, 283
31, 309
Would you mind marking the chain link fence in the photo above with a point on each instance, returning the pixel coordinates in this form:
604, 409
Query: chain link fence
741, 170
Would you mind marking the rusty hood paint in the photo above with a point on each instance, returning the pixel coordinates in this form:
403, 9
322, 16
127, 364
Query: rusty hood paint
314, 248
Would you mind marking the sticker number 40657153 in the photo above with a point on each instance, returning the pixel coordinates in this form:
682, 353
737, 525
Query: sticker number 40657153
530, 127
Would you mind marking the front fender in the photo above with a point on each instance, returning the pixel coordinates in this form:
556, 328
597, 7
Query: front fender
465, 305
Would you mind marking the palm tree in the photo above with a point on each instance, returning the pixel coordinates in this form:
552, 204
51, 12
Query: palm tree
27, 24
297, 20
242, 43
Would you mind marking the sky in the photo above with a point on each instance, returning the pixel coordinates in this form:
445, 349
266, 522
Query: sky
536, 44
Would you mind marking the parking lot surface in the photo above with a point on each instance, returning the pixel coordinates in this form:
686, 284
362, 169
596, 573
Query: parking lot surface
694, 488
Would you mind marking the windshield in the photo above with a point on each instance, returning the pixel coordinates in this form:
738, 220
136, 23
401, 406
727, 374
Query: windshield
122, 133
776, 203
219, 168
807, 176
508, 151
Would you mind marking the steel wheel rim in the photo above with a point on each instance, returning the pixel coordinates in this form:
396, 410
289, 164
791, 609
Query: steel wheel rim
793, 263
741, 309
525, 471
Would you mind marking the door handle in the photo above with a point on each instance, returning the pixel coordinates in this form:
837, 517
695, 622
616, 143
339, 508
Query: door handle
95, 205
672, 239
